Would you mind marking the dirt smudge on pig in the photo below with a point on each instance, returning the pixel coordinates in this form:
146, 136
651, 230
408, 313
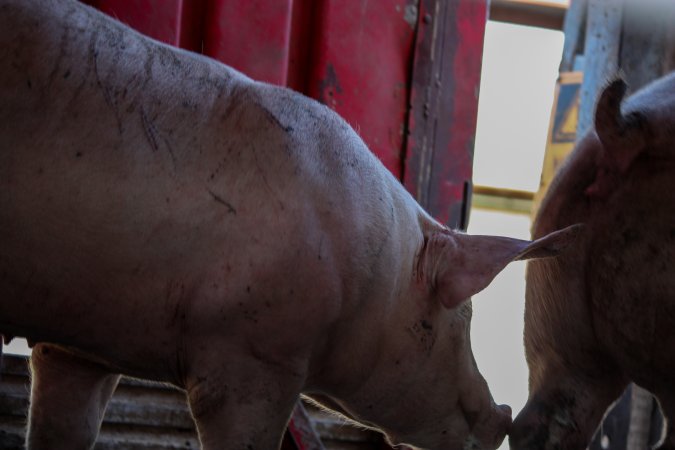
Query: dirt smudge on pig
423, 332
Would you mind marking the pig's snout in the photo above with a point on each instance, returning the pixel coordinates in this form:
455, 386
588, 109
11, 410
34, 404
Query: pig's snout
504, 419
506, 411
490, 432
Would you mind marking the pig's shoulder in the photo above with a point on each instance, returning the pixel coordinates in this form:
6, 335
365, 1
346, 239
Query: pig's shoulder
313, 134
300, 117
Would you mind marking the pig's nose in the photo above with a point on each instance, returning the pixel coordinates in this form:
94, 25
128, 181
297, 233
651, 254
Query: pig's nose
506, 416
506, 413
497, 427
506, 410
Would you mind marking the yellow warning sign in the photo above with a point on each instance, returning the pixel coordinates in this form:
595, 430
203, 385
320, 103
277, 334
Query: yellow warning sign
562, 130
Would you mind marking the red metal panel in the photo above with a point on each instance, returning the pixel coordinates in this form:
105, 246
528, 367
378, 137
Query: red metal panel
360, 67
159, 19
304, 27
444, 99
252, 36
175, 22
192, 17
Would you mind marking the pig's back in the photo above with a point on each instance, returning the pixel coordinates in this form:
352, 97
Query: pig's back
132, 176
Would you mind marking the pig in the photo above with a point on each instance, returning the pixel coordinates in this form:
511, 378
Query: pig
164, 216
603, 314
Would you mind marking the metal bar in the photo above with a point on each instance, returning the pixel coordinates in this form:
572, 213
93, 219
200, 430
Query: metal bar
640, 419
505, 200
603, 41
304, 27
575, 34
530, 13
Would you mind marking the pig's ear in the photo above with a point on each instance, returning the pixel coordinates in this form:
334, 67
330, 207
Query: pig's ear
467, 264
623, 137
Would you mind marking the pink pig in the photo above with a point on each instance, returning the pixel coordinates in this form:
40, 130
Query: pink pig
603, 314
163, 216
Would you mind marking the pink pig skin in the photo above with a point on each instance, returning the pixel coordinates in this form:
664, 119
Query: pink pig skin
603, 314
163, 216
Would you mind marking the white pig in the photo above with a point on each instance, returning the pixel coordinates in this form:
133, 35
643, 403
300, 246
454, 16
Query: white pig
163, 216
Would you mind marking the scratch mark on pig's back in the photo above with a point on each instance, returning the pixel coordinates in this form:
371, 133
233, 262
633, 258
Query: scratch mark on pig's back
63, 44
149, 130
274, 119
153, 136
218, 199
105, 89
266, 182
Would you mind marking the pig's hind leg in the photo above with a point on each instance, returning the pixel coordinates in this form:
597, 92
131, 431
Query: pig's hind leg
244, 404
68, 399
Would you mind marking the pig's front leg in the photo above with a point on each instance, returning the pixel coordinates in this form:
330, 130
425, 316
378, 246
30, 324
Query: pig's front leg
68, 399
241, 402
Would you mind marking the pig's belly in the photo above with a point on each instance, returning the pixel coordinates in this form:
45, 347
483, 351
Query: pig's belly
126, 290
127, 317
108, 282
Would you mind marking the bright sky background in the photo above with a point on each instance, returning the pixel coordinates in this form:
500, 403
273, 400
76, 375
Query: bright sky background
520, 67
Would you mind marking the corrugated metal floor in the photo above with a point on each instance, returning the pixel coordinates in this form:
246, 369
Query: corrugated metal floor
148, 416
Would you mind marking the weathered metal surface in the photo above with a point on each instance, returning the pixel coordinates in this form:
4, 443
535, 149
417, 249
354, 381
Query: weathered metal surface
141, 414
602, 44
175, 22
251, 36
444, 106
531, 13
575, 34
302, 43
361, 67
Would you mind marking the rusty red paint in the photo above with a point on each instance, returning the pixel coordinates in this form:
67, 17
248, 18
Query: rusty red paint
444, 102
360, 67
454, 176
